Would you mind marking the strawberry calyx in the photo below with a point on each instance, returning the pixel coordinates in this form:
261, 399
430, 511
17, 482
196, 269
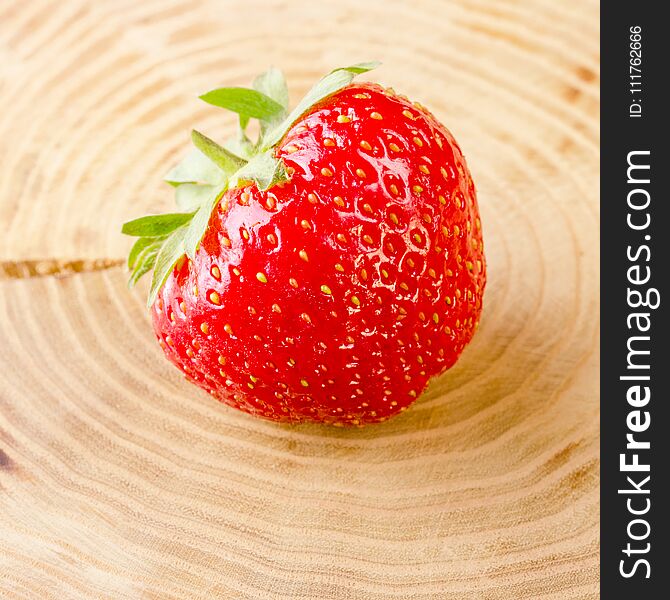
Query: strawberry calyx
203, 176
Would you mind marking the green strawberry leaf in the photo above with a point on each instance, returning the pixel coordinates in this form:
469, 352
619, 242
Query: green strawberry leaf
138, 247
263, 169
190, 196
273, 84
335, 80
145, 259
224, 159
195, 167
198, 224
240, 145
250, 103
171, 251
155, 225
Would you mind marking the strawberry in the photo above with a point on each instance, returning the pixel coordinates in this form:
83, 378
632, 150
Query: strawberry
329, 270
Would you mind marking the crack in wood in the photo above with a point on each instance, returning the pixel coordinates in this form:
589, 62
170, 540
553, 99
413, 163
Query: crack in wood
26, 269
6, 463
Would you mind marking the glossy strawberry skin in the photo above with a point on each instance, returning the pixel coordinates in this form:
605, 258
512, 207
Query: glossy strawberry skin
336, 296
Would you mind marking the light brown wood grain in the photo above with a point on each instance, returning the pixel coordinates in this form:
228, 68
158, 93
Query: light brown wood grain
118, 479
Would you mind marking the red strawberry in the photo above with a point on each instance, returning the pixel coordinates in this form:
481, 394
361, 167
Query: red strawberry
338, 292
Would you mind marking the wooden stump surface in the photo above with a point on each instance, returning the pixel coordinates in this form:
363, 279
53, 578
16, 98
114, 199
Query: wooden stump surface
118, 479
